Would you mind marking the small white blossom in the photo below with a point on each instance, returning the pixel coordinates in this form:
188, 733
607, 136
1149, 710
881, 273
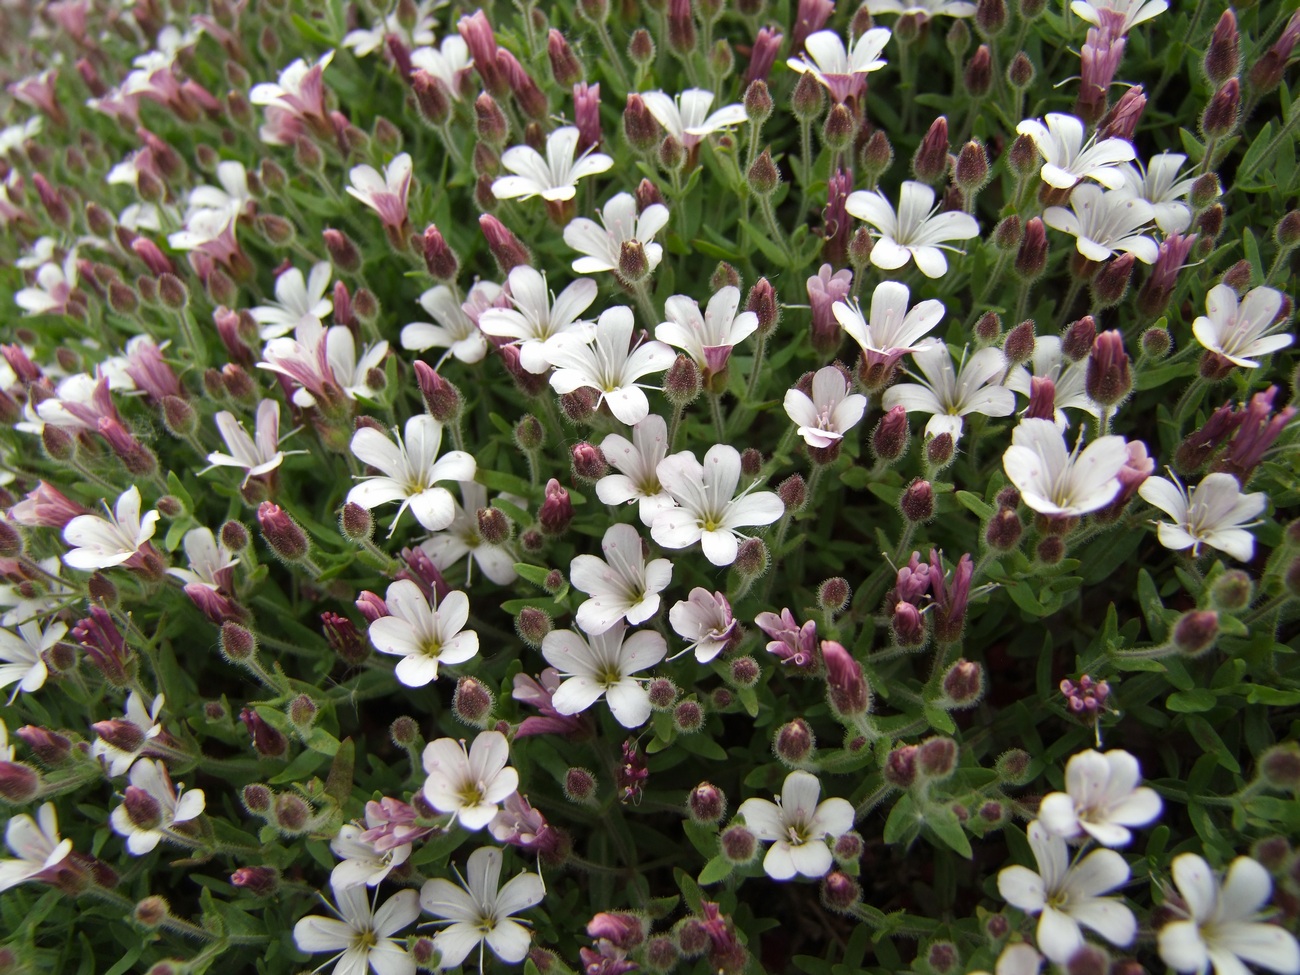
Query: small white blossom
360, 863
601, 244
1215, 513
120, 760
367, 41
947, 395
843, 73
1104, 222
1054, 481
915, 232
602, 666
687, 119
1160, 186
386, 194
461, 538
622, 585
22, 660
823, 418
1224, 927
424, 636
152, 795
54, 285
103, 542
1242, 331
296, 300
36, 844
1120, 16
637, 463
538, 318
1069, 378
1067, 897
257, 455
554, 178
797, 826
212, 565
1102, 799
480, 913
1066, 159
707, 338
893, 330
323, 362
447, 62
455, 331
610, 365
361, 936
923, 9
471, 784
704, 620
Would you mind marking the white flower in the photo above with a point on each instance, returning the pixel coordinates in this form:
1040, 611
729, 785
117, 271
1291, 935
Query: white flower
602, 666
709, 511
1105, 221
1119, 15
915, 232
455, 331
363, 42
14, 136
446, 62
323, 362
361, 935
1160, 186
619, 224
153, 798
554, 178
385, 194
119, 759
922, 8
704, 619
360, 863
1214, 514
36, 844
411, 470
637, 462
947, 395
1067, 160
893, 330
296, 300
1066, 896
823, 418
687, 117
1070, 378
99, 543
22, 659
18, 601
480, 913
1054, 481
423, 636
622, 585
611, 366
1224, 927
797, 827
211, 564
538, 318
54, 284
1241, 331
299, 89
1102, 799
844, 73
222, 203
471, 784
256, 455
461, 538
707, 338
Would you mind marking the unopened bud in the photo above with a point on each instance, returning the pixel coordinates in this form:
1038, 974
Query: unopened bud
900, 767
688, 717
404, 731
963, 684
1077, 341
990, 17
840, 892
971, 172
472, 703
1196, 632
808, 97
939, 451
302, 713
744, 672
1108, 380
682, 381
793, 742
707, 804
1223, 57
752, 557
930, 164
19, 783
758, 102
291, 813
833, 595
978, 73
793, 492
281, 532
1232, 592
256, 798
238, 643
1221, 116
580, 786
1156, 342
1279, 766
1020, 72
530, 435
662, 693
763, 176
889, 439
917, 502
936, 758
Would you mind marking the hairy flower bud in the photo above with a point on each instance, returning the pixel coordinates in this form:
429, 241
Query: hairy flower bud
1108, 380
738, 846
1196, 632
472, 703
1223, 56
1222, 114
930, 164
286, 539
917, 502
793, 742
978, 73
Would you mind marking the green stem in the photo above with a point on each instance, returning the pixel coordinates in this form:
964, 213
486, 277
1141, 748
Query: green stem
751, 388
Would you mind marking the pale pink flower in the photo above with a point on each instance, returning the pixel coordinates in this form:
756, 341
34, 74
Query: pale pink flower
949, 395
823, 418
257, 455
843, 73
707, 338
538, 318
687, 118
385, 194
1066, 157
637, 463
622, 585
602, 666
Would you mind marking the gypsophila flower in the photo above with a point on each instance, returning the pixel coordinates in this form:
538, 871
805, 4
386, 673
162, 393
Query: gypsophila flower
54, 285
1224, 927
469, 783
843, 73
1067, 897
211, 563
622, 585
22, 660
1160, 186
923, 9
687, 119
797, 826
360, 862
120, 760
412, 471
257, 455
610, 365
1069, 378
553, 178
1214, 513
385, 194
461, 538
893, 329
449, 62
704, 620
424, 636
480, 913
637, 463
947, 395
1104, 222
915, 232
1054, 481
601, 244
539, 318
367, 41
323, 363
1102, 799
152, 806
1241, 331
823, 418
1067, 160
296, 300
102, 542
602, 666
455, 331
36, 844
1119, 16
707, 338
361, 936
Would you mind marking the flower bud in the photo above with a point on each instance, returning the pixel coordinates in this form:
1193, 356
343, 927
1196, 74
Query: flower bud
930, 164
833, 595
566, 69
439, 258
846, 684
142, 809
990, 18
752, 557
49, 747
890, 437
19, 783
971, 171
256, 798
237, 643
494, 528
1004, 530
1023, 157
876, 157
291, 814
268, 741
441, 398
707, 804
472, 703
532, 625
1108, 380
978, 73
682, 381
1050, 550
1223, 57
639, 126
936, 758
302, 713
580, 786
1031, 259
281, 532
808, 98
1077, 341
793, 742
738, 846
259, 881
1279, 767
763, 176
793, 492
505, 246
1020, 72
1156, 342
758, 102
688, 717
900, 767
917, 502
1232, 592
557, 509
840, 892
939, 451
404, 731
662, 693
530, 435
963, 684
1196, 632
1221, 116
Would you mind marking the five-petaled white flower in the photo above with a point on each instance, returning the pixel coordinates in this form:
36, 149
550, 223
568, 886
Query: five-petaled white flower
709, 512
947, 395
1055, 481
412, 471
54, 285
704, 619
296, 299
211, 563
1102, 799
101, 542
602, 243
893, 330
469, 784
36, 844
1066, 159
22, 660
914, 232
797, 827
300, 89
480, 913
1066, 896
687, 117
1224, 927
539, 318
1160, 186
1104, 222
637, 463
1240, 332
152, 805
361, 935
844, 73
257, 455
1070, 378
120, 759
461, 538
602, 666
385, 194
323, 362
707, 338
1214, 513
456, 331
610, 365
1120, 16
823, 418
622, 585
359, 862
423, 636
554, 178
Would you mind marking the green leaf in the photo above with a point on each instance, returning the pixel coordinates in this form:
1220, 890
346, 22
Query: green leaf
945, 825
536, 574
855, 478
1251, 248
974, 504
1188, 702
715, 871
1209, 740
702, 745
300, 768
761, 240
1273, 696
904, 822
321, 741
339, 781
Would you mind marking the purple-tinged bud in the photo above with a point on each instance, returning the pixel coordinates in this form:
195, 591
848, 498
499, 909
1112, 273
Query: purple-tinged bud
494, 528
259, 881
751, 462
532, 625
1018, 347
808, 98
939, 451
847, 848
963, 684
19, 783
268, 741
688, 717
978, 73
1013, 767
439, 258
1050, 550
554, 582
365, 305
793, 492
154, 259
441, 398
907, 625
529, 434
763, 176
586, 116
1223, 57
794, 742
142, 809
566, 69
767, 44
1221, 116
839, 129
662, 693
624, 931
234, 536
990, 18
580, 786
256, 798
930, 164
647, 195
405, 732
936, 758
707, 804
847, 687
1077, 341
1238, 277
1279, 767
1042, 399
589, 462
1108, 380
738, 846
833, 595
1121, 121
722, 60
1270, 68
302, 713
1196, 632
505, 246
1021, 71
840, 892
1232, 592
1023, 157
876, 157
291, 814
286, 539
557, 509
762, 301
356, 522
639, 126
744, 671
942, 957
238, 644
472, 703
1008, 234
957, 40
890, 437
49, 747
1031, 259
1156, 342
431, 97
1111, 283
917, 502
900, 767
752, 558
